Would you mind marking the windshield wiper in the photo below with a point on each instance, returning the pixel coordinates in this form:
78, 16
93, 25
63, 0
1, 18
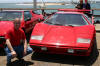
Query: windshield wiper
70, 25
48, 22
58, 24
5, 20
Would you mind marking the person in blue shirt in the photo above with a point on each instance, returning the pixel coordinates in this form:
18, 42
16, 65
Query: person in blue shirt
87, 7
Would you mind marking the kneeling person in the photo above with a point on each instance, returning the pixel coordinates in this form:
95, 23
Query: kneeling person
16, 42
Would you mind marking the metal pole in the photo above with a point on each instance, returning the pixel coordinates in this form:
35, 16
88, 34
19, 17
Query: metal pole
35, 4
43, 4
43, 12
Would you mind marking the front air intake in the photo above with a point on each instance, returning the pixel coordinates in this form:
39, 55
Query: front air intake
2, 39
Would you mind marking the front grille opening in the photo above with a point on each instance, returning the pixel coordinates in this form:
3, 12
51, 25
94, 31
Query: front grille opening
2, 40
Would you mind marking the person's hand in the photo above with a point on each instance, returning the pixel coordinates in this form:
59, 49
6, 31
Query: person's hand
13, 53
25, 52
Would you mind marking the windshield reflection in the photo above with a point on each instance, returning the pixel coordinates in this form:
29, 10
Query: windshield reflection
67, 20
9, 16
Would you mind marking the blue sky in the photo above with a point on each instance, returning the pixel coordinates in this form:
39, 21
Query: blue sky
14, 1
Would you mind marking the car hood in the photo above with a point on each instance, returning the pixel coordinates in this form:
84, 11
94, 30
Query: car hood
5, 26
63, 35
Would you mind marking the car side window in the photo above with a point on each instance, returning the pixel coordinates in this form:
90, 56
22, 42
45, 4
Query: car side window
27, 15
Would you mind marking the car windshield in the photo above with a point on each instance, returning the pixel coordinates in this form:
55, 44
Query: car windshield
67, 20
9, 15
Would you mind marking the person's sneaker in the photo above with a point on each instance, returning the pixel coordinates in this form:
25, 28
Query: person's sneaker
9, 64
21, 60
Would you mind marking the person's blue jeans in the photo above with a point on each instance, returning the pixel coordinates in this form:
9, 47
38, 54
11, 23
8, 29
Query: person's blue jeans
19, 51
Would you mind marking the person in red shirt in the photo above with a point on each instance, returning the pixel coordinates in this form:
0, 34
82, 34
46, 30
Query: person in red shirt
81, 5
16, 42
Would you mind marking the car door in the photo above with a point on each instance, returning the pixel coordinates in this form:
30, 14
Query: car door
28, 21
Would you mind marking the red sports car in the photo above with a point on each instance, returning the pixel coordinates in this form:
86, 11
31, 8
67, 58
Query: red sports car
28, 21
65, 32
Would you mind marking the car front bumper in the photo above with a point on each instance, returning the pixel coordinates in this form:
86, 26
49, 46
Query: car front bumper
61, 50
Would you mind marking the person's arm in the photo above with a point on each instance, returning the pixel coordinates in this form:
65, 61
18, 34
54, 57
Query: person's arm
77, 6
25, 47
11, 48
